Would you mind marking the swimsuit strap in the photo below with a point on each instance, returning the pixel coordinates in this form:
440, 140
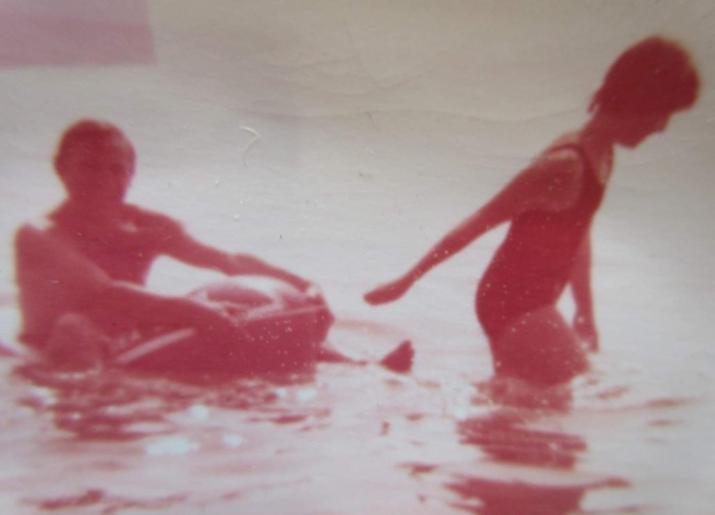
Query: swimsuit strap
582, 154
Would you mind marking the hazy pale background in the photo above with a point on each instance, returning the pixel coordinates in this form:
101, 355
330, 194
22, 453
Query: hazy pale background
341, 139
380, 125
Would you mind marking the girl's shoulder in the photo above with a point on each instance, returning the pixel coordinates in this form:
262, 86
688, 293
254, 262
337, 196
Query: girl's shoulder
567, 147
563, 157
554, 180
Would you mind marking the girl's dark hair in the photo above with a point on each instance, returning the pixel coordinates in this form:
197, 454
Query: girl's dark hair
654, 76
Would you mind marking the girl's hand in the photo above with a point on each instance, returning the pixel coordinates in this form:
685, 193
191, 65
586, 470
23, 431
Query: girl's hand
585, 328
388, 292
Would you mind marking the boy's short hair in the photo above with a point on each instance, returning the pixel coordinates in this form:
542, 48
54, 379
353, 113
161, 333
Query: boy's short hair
654, 76
88, 133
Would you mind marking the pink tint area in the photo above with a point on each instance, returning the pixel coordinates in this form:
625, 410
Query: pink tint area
74, 32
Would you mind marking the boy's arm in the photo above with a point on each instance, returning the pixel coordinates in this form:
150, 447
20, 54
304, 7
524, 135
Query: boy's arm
48, 270
178, 244
54, 278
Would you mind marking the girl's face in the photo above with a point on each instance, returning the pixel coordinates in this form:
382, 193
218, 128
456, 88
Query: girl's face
631, 131
98, 173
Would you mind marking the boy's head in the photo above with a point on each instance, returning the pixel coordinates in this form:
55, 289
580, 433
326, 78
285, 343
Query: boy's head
95, 162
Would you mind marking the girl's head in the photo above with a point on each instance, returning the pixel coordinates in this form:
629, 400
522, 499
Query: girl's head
653, 76
645, 86
95, 162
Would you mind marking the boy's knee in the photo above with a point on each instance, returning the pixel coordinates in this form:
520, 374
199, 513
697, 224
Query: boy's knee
75, 343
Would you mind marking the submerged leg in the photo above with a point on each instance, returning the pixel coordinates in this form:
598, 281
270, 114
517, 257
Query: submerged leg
539, 347
76, 343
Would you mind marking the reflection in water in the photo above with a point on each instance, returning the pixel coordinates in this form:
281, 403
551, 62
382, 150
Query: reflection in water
508, 498
110, 504
504, 437
117, 405
148, 420
260, 444
511, 436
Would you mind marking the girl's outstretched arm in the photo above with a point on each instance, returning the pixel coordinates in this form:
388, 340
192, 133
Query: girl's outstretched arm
478, 223
552, 183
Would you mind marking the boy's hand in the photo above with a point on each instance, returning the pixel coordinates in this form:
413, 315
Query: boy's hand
205, 317
244, 264
305, 286
313, 291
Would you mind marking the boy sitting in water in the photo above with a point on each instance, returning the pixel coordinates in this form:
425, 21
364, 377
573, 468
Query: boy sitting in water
81, 275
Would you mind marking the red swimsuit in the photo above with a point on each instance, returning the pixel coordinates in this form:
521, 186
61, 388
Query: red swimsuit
534, 263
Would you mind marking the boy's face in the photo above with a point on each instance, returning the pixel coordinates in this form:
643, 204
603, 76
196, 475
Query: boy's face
99, 172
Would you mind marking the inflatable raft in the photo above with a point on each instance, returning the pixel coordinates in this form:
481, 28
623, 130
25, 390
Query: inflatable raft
278, 329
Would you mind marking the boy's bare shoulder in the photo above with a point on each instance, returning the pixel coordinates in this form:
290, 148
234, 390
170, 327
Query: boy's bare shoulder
147, 218
40, 224
35, 243
32, 233
39, 251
